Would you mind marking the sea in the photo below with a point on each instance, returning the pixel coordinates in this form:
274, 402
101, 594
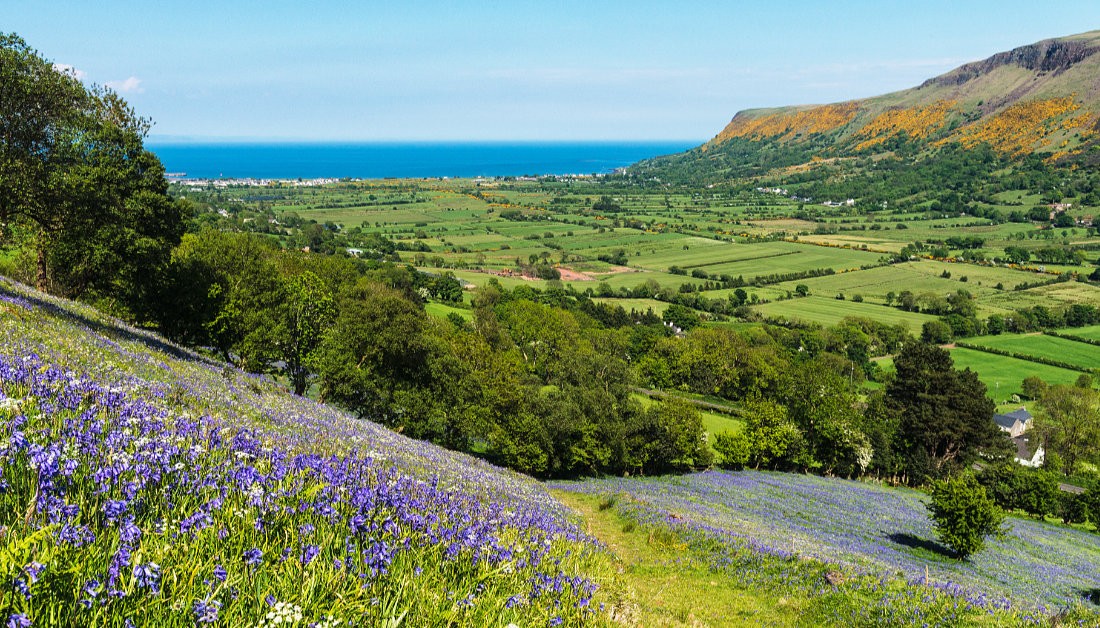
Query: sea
403, 160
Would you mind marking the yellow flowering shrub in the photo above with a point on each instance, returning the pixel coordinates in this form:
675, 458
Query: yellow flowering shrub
1017, 129
789, 124
916, 122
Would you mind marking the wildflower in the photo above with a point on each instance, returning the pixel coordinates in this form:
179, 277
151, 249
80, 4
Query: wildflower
206, 611
253, 557
18, 620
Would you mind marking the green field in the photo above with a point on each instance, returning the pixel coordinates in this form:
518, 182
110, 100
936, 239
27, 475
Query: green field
1077, 353
1003, 375
830, 311
1091, 332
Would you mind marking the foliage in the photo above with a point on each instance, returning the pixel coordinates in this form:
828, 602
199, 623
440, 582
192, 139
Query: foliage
1068, 421
963, 515
914, 122
78, 186
144, 483
734, 449
945, 414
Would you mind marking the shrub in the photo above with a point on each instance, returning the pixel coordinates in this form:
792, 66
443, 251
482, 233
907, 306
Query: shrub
733, 449
963, 515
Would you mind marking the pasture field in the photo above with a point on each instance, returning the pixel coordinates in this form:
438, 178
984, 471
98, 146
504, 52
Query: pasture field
1091, 332
495, 224
830, 311
1077, 353
442, 310
1003, 376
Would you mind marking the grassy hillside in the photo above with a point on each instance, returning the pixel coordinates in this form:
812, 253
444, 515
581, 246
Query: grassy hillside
874, 539
143, 482
1041, 98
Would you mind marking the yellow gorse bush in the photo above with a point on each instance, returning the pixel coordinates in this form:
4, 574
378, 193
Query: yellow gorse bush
789, 124
1018, 129
916, 122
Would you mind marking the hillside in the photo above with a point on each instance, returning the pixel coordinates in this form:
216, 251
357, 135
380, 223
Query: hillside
1040, 99
140, 481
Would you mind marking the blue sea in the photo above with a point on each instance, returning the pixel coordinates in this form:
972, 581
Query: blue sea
412, 160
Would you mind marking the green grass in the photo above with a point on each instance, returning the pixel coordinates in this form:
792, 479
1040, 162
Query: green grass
1077, 353
1091, 332
442, 310
1003, 375
830, 311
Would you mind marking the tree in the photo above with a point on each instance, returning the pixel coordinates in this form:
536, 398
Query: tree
374, 356
1068, 421
963, 515
1033, 387
78, 187
733, 449
682, 317
946, 417
774, 440
670, 437
936, 332
302, 319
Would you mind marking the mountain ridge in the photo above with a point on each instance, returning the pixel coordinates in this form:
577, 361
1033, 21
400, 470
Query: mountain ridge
1041, 98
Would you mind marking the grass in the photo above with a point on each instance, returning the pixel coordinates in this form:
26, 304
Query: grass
784, 532
1003, 375
668, 584
830, 311
1077, 353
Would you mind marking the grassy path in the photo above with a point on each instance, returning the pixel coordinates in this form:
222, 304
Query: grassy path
668, 586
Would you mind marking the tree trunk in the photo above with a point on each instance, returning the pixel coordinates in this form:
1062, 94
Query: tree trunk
41, 278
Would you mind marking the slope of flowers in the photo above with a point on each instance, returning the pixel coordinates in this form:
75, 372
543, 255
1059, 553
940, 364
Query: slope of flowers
787, 125
1036, 568
144, 485
915, 122
1018, 129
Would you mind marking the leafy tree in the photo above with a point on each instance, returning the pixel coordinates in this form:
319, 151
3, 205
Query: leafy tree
1068, 421
222, 291
734, 449
670, 437
936, 332
682, 317
1033, 387
301, 321
963, 515
79, 188
1038, 492
945, 416
775, 440
375, 354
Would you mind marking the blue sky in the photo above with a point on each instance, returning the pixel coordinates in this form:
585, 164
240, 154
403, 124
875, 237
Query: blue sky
594, 70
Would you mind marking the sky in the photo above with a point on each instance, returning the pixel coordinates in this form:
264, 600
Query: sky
409, 70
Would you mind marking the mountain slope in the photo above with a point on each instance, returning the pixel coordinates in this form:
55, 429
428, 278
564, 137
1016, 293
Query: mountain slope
1042, 99
140, 481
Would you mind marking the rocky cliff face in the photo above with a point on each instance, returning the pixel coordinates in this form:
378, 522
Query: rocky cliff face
1050, 56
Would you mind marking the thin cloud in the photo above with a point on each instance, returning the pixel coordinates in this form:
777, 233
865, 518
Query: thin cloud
131, 85
65, 68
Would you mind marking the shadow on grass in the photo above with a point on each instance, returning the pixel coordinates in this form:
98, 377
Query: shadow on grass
924, 545
109, 328
1092, 596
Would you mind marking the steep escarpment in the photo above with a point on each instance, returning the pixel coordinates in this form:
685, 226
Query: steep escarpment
1040, 99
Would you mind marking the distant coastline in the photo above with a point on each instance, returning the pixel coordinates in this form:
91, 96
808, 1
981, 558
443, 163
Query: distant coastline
214, 160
